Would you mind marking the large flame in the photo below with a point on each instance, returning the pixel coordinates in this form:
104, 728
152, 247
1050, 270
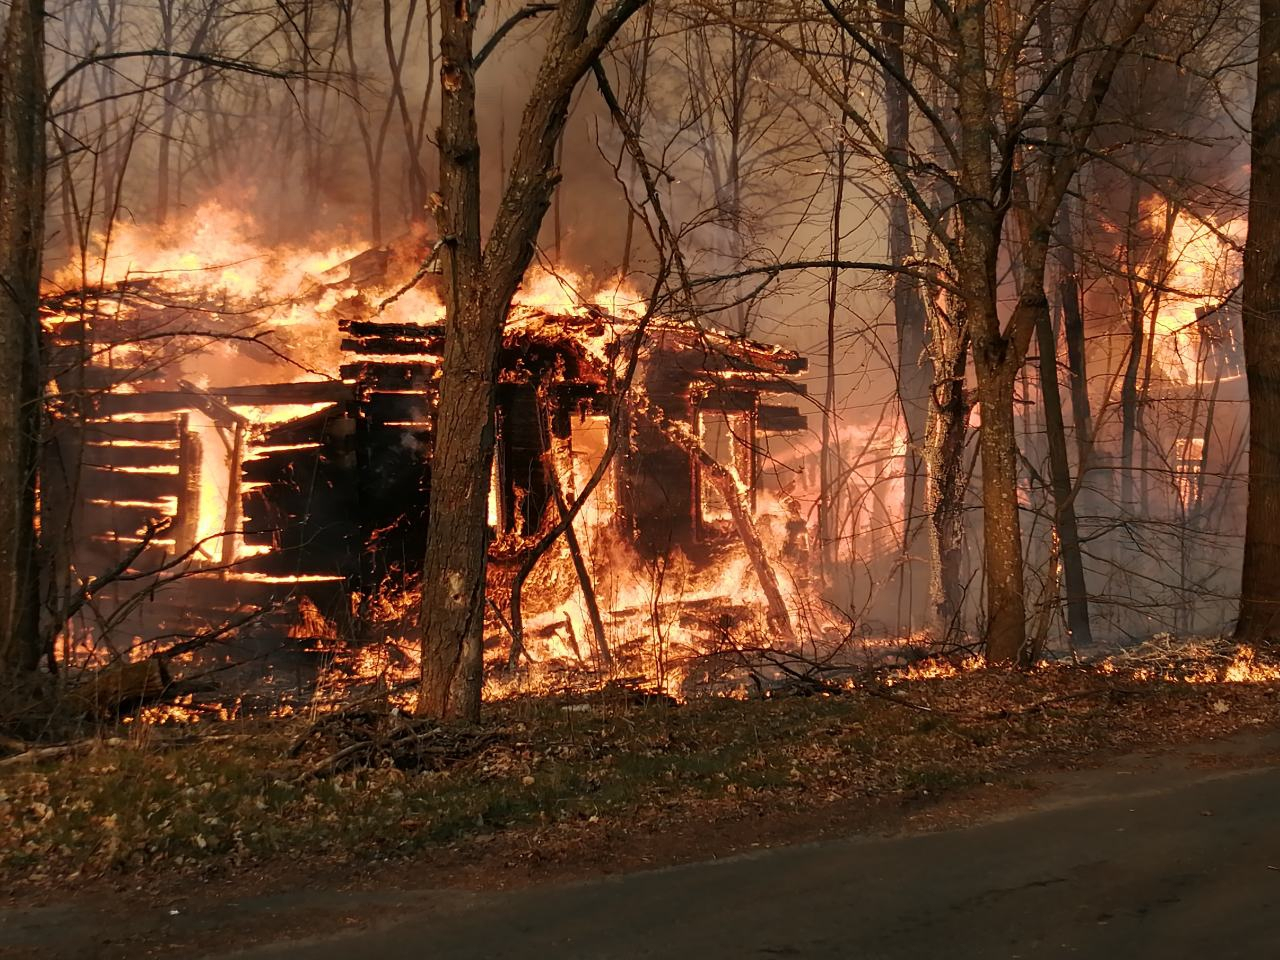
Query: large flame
1202, 264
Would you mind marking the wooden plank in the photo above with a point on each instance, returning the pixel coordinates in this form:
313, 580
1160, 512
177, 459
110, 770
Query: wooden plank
156, 401
114, 455
230, 591
316, 427
145, 430
728, 401
761, 384
267, 394
118, 484
782, 419
393, 346
390, 376
292, 563
106, 518
407, 331
286, 466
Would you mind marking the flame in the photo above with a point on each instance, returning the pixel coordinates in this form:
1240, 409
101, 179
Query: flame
1200, 271
214, 250
660, 617
934, 668
1199, 664
567, 293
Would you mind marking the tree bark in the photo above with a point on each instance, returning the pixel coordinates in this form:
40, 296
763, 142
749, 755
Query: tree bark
945, 480
454, 569
1259, 620
1006, 630
1064, 511
995, 360
22, 181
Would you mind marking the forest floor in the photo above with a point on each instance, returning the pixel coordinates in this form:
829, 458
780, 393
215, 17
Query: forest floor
159, 821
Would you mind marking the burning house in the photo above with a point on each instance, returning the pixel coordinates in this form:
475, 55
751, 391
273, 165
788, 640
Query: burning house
198, 496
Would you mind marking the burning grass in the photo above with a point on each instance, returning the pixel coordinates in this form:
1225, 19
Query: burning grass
564, 774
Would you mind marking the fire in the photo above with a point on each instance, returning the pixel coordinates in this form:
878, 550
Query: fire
935, 668
213, 250
566, 293
1202, 264
662, 617
265, 415
1194, 662
1244, 667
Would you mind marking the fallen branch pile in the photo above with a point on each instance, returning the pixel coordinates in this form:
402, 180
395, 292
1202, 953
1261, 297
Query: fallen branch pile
343, 741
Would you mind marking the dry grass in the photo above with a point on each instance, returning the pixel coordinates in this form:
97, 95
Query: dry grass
149, 806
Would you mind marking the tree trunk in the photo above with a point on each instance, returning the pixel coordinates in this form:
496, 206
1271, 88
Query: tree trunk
22, 178
828, 459
1260, 584
942, 454
1001, 528
914, 368
454, 569
1063, 493
1073, 333
995, 360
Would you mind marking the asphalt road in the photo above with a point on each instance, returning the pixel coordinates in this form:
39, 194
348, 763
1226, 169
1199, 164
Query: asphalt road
1131, 864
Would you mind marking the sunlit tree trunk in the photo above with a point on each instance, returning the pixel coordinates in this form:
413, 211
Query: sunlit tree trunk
1260, 585
22, 177
994, 360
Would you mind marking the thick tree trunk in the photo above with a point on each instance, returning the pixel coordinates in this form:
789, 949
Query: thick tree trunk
995, 360
1002, 534
1260, 585
22, 174
452, 614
